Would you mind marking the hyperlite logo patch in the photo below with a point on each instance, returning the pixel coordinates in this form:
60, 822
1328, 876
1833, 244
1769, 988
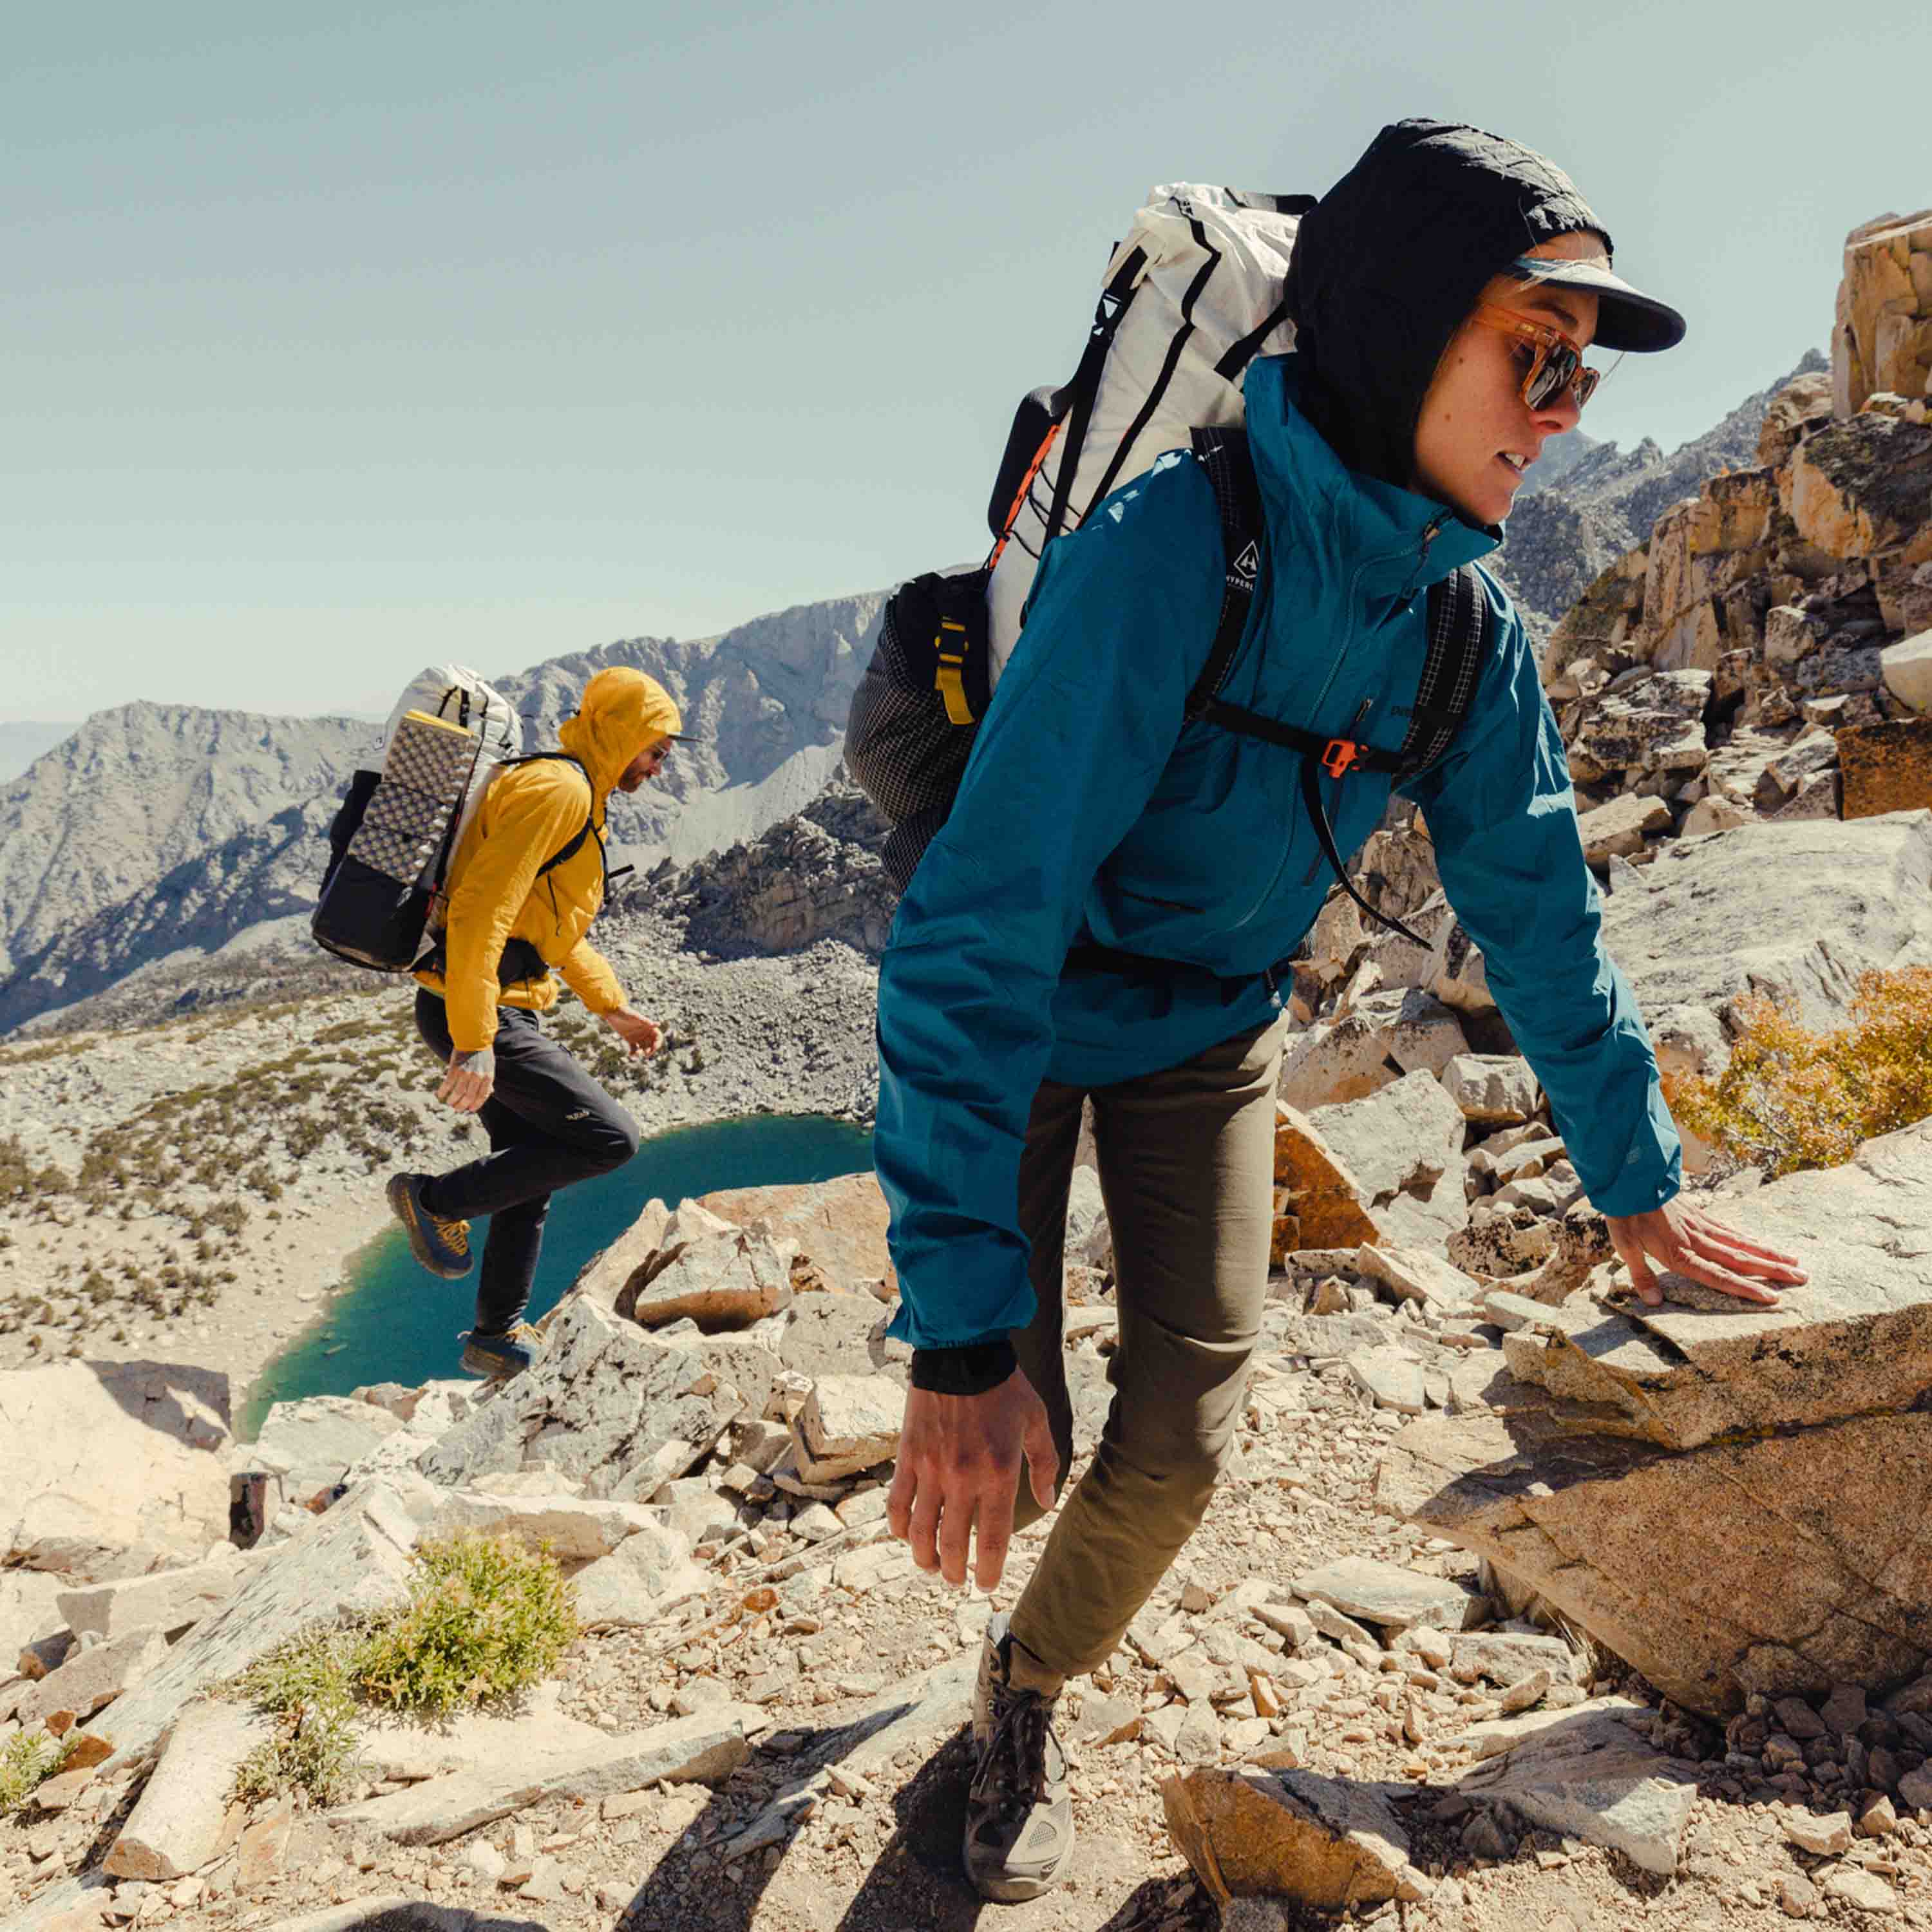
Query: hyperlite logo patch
1249, 561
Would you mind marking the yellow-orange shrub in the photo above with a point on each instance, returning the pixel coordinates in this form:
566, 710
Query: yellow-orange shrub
1793, 1098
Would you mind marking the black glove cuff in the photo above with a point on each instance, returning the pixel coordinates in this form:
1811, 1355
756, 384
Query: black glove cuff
972, 1370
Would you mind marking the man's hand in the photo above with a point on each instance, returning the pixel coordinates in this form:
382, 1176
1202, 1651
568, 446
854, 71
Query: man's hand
959, 1460
1690, 1242
470, 1081
638, 1034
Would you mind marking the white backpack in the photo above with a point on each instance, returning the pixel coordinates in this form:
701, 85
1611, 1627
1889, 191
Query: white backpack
399, 824
1192, 295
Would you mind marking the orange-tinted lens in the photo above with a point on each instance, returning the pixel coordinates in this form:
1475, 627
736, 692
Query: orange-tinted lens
1557, 367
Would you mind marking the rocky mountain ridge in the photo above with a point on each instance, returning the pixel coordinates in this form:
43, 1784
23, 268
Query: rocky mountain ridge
160, 830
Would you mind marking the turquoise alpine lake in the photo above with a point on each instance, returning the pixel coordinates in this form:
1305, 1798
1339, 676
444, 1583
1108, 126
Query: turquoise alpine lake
395, 1322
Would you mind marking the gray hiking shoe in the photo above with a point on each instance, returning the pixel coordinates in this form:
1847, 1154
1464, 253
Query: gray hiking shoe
1019, 1815
498, 1358
441, 1246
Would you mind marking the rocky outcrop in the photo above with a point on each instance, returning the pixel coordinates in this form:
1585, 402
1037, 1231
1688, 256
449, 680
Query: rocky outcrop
812, 876
112, 1469
1597, 505
1883, 340
1731, 1498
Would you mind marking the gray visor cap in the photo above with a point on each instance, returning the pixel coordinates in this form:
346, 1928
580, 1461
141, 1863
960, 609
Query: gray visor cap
1627, 318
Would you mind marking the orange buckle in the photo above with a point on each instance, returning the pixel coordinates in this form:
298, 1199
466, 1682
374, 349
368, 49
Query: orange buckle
1340, 757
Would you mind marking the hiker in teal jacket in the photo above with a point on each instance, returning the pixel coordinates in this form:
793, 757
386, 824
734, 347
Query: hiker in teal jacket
1387, 450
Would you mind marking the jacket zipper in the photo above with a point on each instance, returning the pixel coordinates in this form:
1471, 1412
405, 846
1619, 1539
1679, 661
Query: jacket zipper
1360, 570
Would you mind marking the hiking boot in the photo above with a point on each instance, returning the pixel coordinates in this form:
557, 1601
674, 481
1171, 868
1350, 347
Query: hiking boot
1019, 1816
441, 1246
500, 1356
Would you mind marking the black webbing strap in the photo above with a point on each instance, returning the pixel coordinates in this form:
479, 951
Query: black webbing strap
1450, 672
1170, 362
1085, 384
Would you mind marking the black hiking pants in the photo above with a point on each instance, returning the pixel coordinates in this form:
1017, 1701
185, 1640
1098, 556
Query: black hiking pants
549, 1124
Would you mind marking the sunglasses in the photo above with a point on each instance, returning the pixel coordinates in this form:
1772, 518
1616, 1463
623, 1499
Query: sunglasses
1555, 362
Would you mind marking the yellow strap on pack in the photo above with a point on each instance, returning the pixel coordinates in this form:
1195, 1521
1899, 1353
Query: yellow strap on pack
947, 680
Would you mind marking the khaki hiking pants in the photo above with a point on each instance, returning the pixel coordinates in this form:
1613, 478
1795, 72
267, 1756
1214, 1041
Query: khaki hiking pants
1186, 1161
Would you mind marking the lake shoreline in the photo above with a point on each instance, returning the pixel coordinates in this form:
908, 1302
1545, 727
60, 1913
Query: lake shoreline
323, 1098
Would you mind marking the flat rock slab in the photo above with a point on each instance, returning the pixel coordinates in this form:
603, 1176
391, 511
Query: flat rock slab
1585, 1772
606, 1403
705, 1748
168, 1600
356, 1557
29, 1610
1506, 1657
1391, 1375
1856, 1338
1388, 1594
182, 1816
91, 1679
839, 1226
1779, 1564
112, 1467
1414, 1274
1798, 909
1327, 1843
390, 1745
573, 1530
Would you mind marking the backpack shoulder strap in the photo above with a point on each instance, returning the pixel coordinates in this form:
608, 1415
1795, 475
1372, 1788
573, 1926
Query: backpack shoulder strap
1224, 455
573, 845
1458, 632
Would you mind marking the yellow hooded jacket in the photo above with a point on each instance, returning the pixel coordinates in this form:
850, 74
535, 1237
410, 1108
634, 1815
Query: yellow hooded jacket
528, 812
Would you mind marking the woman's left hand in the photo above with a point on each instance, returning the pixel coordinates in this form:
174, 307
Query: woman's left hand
1687, 1241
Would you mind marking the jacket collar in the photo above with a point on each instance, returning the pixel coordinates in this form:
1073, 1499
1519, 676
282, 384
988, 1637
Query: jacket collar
1399, 541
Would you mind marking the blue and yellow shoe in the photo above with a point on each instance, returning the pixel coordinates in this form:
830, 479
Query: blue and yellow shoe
441, 1246
499, 1357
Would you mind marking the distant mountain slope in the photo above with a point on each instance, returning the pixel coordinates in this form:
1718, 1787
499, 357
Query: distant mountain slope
766, 702
155, 830
23, 741
138, 791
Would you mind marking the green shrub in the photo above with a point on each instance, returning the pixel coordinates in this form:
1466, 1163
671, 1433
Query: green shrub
28, 1759
304, 1684
486, 1617
1792, 1099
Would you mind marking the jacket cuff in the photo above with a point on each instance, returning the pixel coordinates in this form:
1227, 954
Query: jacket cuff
974, 1369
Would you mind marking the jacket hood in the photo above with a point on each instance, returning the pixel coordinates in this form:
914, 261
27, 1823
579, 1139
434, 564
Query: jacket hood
621, 712
1390, 261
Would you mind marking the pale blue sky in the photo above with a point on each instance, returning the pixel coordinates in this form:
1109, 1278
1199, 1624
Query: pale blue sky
494, 332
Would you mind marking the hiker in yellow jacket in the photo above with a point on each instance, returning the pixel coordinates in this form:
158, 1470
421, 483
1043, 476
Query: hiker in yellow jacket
527, 879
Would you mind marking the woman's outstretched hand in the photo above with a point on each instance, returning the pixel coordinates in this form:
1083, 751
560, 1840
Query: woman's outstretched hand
1685, 1241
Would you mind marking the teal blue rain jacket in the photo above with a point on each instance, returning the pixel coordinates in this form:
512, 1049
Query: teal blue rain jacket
1092, 809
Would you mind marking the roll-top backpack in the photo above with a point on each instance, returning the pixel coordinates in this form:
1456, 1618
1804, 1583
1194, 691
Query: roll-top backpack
1191, 296
382, 899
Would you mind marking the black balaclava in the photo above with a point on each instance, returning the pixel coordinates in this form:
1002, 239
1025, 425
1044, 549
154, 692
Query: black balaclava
1388, 264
